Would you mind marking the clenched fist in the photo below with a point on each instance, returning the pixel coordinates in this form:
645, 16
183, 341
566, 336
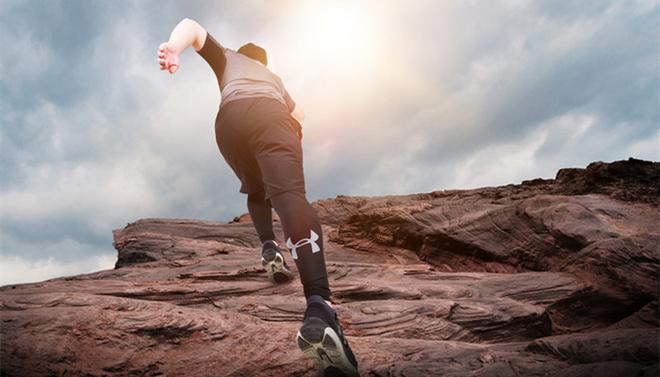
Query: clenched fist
168, 57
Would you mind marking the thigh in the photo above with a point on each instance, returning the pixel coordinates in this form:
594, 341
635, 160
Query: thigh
232, 140
277, 149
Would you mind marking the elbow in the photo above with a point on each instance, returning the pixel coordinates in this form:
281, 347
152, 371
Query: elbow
298, 114
199, 33
191, 22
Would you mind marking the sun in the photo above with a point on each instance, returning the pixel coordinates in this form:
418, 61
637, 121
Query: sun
337, 34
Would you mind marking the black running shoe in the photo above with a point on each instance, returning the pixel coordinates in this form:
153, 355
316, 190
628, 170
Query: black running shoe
274, 263
321, 339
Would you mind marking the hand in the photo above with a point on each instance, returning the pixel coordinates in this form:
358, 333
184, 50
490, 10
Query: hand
168, 58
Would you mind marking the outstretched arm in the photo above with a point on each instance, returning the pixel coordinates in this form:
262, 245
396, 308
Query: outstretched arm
298, 114
185, 34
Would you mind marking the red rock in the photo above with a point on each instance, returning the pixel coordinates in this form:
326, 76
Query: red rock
549, 277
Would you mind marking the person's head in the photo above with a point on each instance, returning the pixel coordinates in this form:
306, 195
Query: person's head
255, 52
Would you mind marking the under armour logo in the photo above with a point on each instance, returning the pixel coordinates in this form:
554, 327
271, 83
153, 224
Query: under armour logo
302, 242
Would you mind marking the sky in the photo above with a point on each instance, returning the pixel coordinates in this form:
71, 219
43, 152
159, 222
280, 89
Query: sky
400, 97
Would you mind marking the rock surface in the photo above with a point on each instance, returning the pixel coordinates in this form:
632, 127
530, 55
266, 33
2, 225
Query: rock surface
545, 278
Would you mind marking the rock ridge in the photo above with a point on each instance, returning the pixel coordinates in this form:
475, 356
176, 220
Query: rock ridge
549, 277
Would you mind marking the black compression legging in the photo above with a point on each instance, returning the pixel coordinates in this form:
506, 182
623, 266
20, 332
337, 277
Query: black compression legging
301, 228
262, 216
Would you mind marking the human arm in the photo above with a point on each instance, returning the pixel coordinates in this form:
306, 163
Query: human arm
185, 34
214, 54
298, 114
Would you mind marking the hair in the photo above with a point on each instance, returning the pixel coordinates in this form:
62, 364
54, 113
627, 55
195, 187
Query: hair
255, 52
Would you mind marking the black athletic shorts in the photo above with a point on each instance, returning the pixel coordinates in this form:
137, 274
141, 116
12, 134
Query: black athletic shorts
261, 142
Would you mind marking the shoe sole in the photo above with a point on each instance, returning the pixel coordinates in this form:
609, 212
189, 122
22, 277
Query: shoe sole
321, 344
277, 272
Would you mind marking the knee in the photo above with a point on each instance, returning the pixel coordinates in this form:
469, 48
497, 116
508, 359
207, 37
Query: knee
293, 206
289, 201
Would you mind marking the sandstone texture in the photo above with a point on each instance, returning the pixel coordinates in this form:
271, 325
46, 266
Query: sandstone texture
554, 277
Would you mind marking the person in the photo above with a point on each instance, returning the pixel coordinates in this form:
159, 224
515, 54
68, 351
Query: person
259, 133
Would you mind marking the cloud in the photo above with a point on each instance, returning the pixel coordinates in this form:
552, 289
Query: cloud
15, 270
433, 95
513, 70
131, 147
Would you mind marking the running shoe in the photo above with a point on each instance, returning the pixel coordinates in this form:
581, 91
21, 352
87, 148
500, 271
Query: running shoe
273, 261
321, 339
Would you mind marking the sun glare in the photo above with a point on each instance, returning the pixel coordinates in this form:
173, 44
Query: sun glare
342, 34
342, 57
